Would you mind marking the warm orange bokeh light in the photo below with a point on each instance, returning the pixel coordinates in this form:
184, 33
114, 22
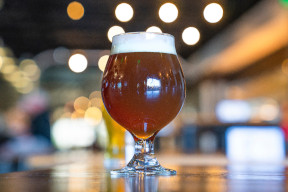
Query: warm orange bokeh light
75, 10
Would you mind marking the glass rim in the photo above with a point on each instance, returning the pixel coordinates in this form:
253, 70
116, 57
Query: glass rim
143, 32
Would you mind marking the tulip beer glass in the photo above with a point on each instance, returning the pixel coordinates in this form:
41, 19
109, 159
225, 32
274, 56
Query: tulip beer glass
143, 89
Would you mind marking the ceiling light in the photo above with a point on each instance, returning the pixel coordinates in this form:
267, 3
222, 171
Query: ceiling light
213, 13
77, 63
168, 12
191, 35
154, 29
115, 30
124, 12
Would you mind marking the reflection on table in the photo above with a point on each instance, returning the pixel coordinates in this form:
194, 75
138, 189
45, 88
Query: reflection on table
194, 173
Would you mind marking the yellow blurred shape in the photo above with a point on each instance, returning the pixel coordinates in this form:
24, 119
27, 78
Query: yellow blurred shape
77, 115
96, 102
81, 104
95, 94
30, 67
2, 51
57, 114
285, 66
27, 89
93, 114
16, 76
7, 69
1, 62
26, 62
66, 115
75, 10
22, 83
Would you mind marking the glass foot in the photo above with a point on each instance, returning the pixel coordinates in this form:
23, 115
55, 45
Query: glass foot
143, 162
131, 171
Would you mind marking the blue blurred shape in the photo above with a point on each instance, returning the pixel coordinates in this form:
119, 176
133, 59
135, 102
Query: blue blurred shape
256, 144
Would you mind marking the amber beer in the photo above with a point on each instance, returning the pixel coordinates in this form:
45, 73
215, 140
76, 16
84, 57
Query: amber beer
143, 91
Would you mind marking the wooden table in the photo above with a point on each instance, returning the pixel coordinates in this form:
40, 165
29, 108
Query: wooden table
194, 173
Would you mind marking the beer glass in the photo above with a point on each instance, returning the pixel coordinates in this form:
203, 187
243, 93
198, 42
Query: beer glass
143, 89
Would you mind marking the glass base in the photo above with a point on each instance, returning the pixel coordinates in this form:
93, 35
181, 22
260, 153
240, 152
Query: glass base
145, 164
131, 171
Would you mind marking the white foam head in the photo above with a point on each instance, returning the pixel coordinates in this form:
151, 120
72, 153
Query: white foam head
143, 42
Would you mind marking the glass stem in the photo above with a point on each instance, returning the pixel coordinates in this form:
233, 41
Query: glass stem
145, 147
144, 155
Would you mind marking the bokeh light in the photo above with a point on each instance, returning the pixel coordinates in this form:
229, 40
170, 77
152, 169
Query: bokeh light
81, 104
75, 10
73, 133
213, 13
94, 115
30, 68
115, 30
269, 111
168, 12
95, 94
96, 102
77, 63
61, 55
27, 89
154, 29
8, 69
77, 115
191, 35
102, 62
124, 12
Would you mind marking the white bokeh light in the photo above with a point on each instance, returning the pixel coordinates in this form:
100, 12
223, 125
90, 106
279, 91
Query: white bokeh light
77, 63
102, 62
124, 12
213, 13
191, 35
115, 30
168, 12
154, 29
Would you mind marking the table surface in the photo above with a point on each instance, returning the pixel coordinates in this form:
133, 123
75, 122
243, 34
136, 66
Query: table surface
194, 173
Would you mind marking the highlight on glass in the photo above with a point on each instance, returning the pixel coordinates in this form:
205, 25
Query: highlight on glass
143, 89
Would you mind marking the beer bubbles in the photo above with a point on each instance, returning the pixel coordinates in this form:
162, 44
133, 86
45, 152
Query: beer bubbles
124, 12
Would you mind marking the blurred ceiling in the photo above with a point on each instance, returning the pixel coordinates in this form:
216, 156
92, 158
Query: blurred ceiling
32, 26
256, 37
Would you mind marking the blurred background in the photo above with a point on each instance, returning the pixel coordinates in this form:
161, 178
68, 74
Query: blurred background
234, 56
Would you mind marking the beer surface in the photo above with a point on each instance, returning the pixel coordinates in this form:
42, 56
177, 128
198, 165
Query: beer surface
143, 91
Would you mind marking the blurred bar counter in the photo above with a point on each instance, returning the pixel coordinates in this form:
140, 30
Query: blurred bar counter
84, 171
